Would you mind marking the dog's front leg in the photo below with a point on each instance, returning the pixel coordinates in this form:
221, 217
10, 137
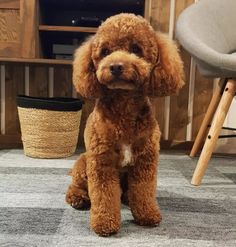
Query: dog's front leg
104, 192
142, 187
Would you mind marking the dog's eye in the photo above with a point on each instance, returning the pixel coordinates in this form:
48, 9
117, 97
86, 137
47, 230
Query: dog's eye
136, 49
105, 52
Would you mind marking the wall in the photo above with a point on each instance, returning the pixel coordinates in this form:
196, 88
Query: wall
179, 116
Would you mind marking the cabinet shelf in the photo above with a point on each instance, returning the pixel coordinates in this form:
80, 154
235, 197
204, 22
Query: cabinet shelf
36, 61
67, 29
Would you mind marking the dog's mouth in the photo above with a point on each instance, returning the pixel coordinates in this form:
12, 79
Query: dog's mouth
121, 84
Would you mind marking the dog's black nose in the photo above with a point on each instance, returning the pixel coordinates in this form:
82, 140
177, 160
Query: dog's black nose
116, 69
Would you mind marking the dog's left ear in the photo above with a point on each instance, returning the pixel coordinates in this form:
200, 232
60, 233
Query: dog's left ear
167, 75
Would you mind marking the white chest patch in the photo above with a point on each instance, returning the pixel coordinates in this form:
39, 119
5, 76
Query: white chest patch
127, 154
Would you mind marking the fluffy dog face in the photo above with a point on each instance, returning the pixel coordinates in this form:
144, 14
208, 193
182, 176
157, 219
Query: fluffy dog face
127, 54
124, 59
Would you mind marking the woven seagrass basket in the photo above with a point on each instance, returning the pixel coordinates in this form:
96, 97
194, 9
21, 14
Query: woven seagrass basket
49, 126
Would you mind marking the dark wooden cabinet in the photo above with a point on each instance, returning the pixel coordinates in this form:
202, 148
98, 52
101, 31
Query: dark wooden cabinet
29, 31
64, 25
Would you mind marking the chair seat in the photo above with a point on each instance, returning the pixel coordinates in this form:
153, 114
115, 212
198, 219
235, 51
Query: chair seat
208, 70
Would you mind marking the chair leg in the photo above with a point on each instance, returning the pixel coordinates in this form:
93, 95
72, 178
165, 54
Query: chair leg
208, 118
218, 121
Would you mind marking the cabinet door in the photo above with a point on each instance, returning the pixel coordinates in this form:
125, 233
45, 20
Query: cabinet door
10, 28
19, 28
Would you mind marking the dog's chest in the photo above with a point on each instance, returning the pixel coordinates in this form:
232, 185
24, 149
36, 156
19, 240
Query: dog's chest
127, 156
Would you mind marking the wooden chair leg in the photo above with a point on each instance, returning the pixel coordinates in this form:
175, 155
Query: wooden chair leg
218, 121
208, 118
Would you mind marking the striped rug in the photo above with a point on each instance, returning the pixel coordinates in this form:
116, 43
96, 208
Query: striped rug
33, 211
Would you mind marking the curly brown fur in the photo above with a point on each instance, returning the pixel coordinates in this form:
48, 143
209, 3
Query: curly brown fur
122, 132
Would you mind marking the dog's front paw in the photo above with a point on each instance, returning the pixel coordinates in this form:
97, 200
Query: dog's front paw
77, 198
152, 218
105, 225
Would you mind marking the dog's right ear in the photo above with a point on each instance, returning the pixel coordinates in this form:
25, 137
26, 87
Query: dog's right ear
84, 76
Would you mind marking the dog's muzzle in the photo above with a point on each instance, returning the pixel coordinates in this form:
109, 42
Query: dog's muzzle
123, 70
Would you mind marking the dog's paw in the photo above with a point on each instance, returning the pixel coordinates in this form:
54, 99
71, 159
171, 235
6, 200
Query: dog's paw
77, 199
153, 218
105, 225
78, 202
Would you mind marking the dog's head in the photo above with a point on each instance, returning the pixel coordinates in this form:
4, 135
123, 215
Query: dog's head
127, 54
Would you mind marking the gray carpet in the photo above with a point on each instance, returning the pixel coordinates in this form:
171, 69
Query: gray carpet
33, 211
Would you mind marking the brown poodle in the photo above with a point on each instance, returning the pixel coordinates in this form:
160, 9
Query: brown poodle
122, 65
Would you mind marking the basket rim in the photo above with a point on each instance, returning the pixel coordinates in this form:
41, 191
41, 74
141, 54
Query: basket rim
49, 103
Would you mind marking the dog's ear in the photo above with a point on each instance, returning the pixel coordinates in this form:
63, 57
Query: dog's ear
167, 75
84, 76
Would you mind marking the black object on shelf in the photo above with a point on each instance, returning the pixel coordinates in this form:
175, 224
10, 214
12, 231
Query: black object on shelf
86, 12
87, 21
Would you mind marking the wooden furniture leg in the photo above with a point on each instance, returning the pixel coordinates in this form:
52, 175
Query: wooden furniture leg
218, 121
207, 119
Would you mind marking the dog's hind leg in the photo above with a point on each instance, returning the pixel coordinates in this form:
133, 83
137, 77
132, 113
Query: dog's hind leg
77, 193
